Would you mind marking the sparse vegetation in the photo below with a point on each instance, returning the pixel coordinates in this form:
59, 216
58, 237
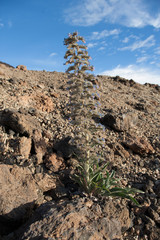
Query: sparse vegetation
92, 175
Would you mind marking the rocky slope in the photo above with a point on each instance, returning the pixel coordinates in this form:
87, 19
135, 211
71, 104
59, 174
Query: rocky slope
38, 199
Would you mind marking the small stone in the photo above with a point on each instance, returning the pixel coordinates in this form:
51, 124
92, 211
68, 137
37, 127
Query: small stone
149, 186
39, 145
119, 149
148, 220
45, 181
38, 169
153, 214
89, 203
157, 182
54, 163
48, 198
25, 146
141, 163
54, 94
139, 145
22, 67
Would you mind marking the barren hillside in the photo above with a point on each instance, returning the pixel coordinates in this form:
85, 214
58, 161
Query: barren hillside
36, 159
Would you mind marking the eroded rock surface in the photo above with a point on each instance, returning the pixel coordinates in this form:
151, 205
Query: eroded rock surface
18, 193
18, 122
120, 121
77, 219
139, 145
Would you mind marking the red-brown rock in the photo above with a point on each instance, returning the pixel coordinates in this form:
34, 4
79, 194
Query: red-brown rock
77, 219
139, 145
54, 162
119, 122
45, 181
18, 122
22, 67
25, 146
54, 94
44, 103
18, 192
39, 145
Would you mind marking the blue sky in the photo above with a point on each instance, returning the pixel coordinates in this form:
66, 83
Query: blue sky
123, 36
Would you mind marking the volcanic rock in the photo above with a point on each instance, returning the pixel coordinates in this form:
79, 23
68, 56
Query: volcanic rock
119, 122
139, 145
22, 67
18, 193
18, 122
76, 219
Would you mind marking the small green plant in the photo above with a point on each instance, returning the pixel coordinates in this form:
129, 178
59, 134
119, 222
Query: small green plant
92, 175
102, 183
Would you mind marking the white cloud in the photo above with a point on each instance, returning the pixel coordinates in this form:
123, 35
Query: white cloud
156, 21
53, 54
142, 59
87, 12
157, 50
130, 13
148, 42
104, 34
153, 62
138, 74
125, 40
101, 48
1, 25
91, 45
